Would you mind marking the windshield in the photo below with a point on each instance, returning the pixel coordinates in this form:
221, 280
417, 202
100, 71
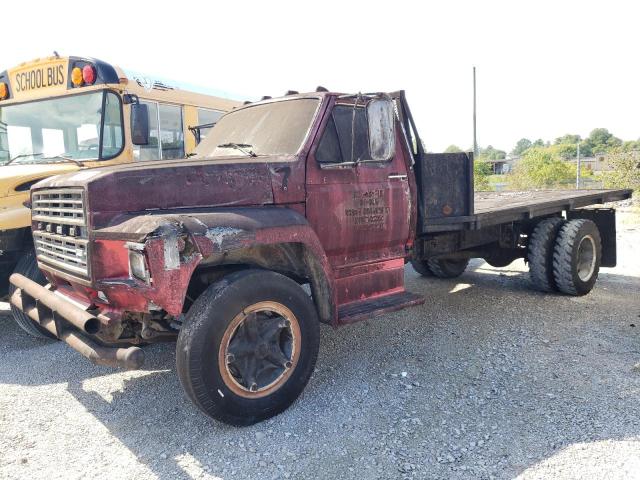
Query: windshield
61, 129
268, 129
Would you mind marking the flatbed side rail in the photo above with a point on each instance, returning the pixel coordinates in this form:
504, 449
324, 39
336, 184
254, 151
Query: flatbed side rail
494, 208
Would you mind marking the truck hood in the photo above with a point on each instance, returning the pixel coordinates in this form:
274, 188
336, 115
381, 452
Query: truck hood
166, 185
12, 176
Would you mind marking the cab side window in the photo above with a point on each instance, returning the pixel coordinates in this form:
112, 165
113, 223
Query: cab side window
337, 140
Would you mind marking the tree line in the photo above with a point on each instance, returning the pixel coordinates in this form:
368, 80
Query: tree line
544, 164
599, 141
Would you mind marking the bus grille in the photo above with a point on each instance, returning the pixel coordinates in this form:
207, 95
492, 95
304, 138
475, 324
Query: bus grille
60, 230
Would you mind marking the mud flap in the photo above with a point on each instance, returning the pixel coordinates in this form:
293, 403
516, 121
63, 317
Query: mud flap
605, 219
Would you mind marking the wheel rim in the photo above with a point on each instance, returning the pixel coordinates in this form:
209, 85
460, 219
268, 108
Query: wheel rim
586, 263
260, 349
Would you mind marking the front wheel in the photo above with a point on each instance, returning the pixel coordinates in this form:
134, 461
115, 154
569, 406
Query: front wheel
248, 346
28, 266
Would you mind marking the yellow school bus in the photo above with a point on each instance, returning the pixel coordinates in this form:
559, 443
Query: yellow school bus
60, 114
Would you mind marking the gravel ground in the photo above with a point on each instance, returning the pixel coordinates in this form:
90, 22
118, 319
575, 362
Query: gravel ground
488, 379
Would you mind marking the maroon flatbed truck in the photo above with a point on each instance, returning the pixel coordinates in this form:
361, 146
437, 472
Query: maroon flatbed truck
295, 211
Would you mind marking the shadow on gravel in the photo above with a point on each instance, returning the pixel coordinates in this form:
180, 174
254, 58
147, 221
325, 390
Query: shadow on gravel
480, 381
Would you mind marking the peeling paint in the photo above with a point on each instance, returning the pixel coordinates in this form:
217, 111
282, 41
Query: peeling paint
171, 253
219, 234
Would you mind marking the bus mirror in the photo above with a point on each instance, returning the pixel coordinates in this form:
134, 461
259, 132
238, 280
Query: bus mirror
139, 124
381, 136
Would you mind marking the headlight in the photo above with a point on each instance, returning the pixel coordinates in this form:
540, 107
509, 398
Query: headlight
138, 266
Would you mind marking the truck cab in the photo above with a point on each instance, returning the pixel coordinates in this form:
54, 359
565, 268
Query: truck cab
294, 211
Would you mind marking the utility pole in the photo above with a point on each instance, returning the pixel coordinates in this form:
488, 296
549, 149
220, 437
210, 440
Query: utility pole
578, 168
475, 139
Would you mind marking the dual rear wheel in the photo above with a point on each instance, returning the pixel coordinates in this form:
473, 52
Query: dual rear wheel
565, 256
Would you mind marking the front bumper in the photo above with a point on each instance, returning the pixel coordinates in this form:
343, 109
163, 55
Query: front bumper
70, 323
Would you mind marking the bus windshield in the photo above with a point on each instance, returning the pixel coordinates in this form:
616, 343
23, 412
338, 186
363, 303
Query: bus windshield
274, 128
62, 129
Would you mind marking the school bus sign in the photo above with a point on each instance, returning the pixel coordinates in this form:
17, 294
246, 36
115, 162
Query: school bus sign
48, 76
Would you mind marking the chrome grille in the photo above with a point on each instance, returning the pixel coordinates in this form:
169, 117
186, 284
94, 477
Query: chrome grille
60, 229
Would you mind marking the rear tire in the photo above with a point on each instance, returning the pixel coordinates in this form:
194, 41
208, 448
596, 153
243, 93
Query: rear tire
422, 267
540, 254
444, 268
576, 257
248, 346
28, 266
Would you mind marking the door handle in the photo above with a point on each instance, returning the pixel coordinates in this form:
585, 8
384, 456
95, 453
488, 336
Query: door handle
399, 176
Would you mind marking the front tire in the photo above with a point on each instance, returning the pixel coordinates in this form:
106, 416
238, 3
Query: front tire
576, 257
28, 266
248, 346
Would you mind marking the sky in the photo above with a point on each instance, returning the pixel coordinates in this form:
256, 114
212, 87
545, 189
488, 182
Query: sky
544, 68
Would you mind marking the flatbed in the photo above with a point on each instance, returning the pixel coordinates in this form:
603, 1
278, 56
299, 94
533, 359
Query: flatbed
494, 208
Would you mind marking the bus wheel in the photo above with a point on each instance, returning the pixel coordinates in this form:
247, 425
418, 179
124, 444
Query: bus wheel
248, 346
540, 254
447, 268
28, 266
576, 257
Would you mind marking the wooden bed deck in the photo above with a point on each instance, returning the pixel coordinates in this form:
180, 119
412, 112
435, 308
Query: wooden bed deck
493, 208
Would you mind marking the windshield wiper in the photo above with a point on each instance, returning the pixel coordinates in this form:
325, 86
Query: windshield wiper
243, 147
24, 155
65, 158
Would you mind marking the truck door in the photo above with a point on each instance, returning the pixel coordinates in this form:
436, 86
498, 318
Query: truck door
359, 205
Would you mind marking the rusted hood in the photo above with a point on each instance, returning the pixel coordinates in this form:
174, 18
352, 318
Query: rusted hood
172, 184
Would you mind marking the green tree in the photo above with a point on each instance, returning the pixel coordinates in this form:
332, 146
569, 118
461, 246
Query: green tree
522, 146
631, 145
566, 151
491, 154
600, 140
625, 169
453, 149
540, 167
481, 173
568, 139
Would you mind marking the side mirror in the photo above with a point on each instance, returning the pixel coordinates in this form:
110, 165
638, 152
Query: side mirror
381, 133
139, 124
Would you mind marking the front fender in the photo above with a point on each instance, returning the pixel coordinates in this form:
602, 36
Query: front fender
176, 243
13, 214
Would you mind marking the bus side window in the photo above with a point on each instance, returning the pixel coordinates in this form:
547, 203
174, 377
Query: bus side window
171, 132
152, 150
205, 117
166, 141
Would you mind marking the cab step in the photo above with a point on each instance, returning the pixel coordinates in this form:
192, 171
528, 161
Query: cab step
363, 310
